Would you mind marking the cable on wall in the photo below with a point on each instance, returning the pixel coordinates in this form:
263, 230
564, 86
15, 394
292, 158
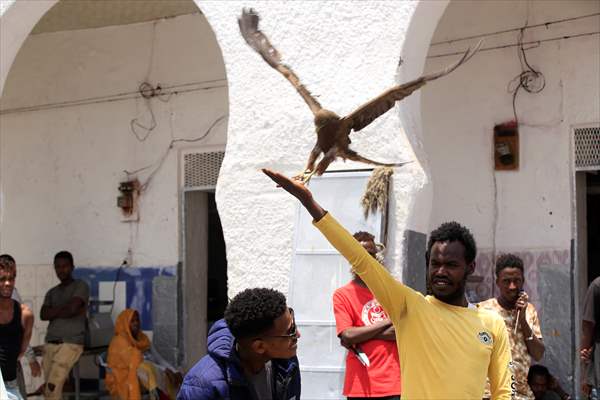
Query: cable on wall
147, 91
530, 79
164, 91
484, 35
505, 46
156, 166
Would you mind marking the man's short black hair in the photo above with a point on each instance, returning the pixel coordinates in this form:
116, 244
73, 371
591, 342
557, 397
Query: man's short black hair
538, 370
7, 258
253, 311
508, 261
64, 255
453, 232
7, 262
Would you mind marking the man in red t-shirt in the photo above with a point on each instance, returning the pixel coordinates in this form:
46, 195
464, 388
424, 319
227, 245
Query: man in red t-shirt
363, 327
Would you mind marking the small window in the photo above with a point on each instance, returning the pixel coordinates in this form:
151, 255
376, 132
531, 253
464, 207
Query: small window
201, 170
587, 148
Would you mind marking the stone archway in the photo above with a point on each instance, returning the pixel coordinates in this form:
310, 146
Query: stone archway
415, 29
185, 119
17, 19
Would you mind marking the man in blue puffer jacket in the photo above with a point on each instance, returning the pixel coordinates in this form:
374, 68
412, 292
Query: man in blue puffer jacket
251, 352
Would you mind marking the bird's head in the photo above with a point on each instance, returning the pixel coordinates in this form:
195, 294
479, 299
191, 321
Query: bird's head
325, 117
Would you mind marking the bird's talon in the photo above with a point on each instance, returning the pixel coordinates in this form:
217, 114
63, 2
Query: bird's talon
304, 177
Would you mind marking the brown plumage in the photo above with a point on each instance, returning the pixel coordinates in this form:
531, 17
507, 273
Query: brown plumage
332, 130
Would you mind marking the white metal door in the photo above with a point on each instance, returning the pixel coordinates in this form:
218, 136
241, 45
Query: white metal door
317, 270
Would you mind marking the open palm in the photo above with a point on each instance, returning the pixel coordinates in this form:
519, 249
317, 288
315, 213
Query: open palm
294, 187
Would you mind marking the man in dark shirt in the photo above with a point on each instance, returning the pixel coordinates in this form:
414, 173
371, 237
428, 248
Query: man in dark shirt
65, 307
16, 322
590, 336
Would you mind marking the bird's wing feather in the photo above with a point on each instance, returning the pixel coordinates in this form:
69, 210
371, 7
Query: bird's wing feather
370, 111
248, 23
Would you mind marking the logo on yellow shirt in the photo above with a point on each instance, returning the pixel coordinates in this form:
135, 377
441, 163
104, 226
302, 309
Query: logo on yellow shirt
485, 338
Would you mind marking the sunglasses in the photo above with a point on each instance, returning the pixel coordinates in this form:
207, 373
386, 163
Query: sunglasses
292, 333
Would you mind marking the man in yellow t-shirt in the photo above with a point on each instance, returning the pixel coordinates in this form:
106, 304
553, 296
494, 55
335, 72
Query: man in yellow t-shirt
447, 346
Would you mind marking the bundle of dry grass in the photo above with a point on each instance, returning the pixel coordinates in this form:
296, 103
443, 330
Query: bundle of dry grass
376, 193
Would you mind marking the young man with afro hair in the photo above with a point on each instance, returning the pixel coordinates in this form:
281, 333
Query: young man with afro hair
251, 352
447, 346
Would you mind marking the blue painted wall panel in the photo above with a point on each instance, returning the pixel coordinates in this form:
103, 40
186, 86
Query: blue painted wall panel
138, 282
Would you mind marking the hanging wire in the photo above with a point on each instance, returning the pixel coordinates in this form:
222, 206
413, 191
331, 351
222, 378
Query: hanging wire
505, 46
530, 79
159, 163
164, 97
147, 91
166, 90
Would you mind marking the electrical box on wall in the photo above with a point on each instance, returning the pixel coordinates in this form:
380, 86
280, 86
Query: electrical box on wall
506, 146
128, 200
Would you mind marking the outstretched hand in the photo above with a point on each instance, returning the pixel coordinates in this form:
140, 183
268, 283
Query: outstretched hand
299, 191
294, 187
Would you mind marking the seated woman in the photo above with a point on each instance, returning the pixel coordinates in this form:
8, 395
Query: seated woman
132, 364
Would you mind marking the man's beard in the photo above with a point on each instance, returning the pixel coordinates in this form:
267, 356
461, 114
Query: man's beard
458, 294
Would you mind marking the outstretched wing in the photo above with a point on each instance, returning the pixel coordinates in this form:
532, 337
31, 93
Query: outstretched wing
248, 23
370, 111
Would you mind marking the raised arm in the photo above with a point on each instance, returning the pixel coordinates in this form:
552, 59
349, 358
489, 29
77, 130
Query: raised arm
531, 332
391, 294
299, 191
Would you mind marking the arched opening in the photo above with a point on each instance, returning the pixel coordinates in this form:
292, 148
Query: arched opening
528, 210
100, 94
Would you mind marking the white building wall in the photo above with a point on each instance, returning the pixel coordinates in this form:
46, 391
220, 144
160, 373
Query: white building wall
344, 54
459, 113
345, 63
60, 167
529, 211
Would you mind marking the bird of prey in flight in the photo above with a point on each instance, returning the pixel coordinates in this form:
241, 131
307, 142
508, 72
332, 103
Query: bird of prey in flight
332, 130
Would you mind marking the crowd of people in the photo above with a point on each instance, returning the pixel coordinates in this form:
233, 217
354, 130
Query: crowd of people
401, 343
133, 365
